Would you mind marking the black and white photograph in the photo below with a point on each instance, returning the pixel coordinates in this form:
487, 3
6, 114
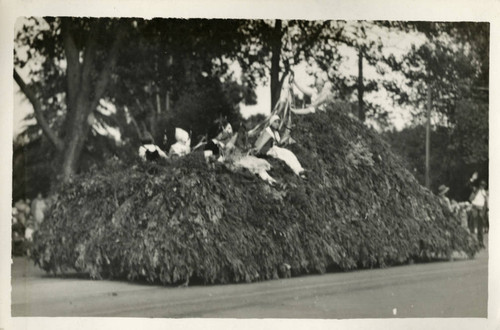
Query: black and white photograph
173, 167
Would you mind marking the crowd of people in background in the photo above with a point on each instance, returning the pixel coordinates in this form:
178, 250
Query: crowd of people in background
473, 214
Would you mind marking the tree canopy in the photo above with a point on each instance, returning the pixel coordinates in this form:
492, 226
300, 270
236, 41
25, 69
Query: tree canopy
453, 65
88, 77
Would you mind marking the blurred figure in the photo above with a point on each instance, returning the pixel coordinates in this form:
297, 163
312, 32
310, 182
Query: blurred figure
472, 184
320, 94
17, 226
215, 147
183, 145
442, 190
227, 147
149, 151
18, 232
462, 212
23, 211
479, 201
38, 207
28, 237
267, 144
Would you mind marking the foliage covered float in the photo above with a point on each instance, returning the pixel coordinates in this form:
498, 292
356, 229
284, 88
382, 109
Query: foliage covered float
183, 219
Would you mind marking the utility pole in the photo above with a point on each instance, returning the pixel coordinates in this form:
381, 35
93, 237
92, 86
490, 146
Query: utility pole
361, 110
428, 139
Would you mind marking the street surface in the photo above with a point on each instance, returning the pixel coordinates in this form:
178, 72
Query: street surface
440, 289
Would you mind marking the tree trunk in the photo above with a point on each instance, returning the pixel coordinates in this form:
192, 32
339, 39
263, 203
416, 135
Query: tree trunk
361, 109
275, 62
79, 97
84, 95
73, 66
75, 143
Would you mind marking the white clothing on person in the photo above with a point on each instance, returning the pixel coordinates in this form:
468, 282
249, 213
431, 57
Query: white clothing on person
28, 233
181, 135
38, 207
234, 156
319, 100
257, 166
284, 154
288, 157
179, 149
326, 92
480, 198
183, 145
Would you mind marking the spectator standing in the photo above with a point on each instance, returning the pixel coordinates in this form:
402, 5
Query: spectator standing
38, 207
479, 201
463, 213
472, 184
442, 190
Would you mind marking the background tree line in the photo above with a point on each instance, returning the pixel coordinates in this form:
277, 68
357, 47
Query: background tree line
453, 64
138, 76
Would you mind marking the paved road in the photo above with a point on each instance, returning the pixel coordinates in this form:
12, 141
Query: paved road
439, 289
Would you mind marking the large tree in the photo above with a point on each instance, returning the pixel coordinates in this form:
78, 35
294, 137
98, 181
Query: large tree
89, 49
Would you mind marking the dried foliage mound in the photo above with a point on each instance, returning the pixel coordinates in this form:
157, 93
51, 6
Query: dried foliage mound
182, 219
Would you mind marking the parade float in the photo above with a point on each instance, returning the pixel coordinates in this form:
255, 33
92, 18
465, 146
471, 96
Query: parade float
186, 220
